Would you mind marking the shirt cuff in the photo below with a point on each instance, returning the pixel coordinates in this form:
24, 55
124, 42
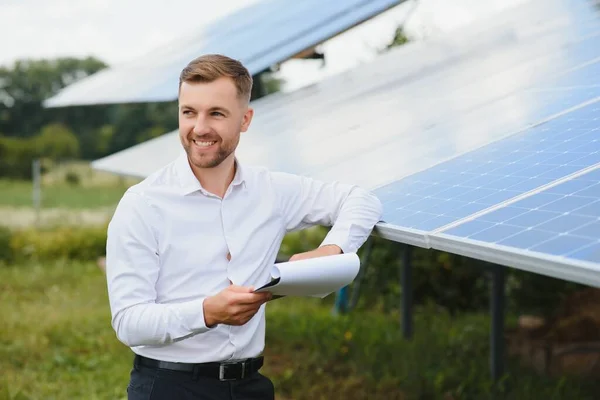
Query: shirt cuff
339, 239
191, 314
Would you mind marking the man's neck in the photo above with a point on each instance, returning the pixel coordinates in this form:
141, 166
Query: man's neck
216, 180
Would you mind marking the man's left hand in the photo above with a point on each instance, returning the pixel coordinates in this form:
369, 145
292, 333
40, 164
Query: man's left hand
327, 250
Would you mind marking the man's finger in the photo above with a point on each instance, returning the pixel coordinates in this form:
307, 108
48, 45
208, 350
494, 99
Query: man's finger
251, 298
241, 289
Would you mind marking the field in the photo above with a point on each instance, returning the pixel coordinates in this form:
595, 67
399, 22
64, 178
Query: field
56, 341
90, 201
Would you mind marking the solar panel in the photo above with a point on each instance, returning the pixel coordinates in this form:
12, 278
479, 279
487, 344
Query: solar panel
444, 131
260, 35
496, 172
387, 101
554, 231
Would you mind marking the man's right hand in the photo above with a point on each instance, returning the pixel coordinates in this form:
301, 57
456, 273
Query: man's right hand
234, 305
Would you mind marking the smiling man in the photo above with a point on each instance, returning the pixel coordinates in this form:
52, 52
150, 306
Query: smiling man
187, 245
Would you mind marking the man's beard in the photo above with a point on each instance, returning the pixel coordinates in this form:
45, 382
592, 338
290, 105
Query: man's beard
213, 159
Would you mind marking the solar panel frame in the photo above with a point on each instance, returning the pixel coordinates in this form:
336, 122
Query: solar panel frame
586, 273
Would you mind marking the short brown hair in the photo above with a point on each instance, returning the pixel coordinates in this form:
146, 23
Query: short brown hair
210, 67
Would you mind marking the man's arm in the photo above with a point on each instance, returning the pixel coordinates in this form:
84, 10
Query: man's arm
351, 211
132, 269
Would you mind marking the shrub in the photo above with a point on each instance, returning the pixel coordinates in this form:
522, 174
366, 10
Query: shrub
81, 243
16, 157
72, 178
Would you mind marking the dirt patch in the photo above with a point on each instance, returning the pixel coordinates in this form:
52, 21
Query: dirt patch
568, 344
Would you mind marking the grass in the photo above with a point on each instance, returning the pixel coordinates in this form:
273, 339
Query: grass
95, 189
19, 194
90, 202
56, 343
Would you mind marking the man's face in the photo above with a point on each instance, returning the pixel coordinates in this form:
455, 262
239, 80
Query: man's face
211, 117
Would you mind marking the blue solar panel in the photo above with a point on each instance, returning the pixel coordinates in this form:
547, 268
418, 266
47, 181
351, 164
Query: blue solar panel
563, 220
496, 173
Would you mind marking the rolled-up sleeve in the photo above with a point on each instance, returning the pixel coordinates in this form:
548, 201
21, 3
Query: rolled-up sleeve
349, 210
132, 270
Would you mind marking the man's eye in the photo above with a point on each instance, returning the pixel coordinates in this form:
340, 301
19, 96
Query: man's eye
186, 112
217, 114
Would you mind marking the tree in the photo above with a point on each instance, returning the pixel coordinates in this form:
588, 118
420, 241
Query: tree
56, 142
25, 85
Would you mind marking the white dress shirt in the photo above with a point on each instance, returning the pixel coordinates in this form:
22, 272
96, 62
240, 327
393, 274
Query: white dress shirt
168, 243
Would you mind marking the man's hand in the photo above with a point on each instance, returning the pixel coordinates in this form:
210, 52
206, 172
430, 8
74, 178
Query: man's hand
234, 305
327, 250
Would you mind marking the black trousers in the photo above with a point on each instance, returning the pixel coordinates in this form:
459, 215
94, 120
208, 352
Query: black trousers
148, 383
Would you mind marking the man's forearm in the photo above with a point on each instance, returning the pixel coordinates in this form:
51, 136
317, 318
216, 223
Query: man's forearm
157, 324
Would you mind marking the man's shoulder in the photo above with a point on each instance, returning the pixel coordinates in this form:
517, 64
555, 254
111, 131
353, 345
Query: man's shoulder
264, 174
161, 179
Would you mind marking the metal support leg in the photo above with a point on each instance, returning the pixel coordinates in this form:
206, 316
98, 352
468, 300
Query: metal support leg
497, 328
407, 292
364, 263
344, 302
341, 301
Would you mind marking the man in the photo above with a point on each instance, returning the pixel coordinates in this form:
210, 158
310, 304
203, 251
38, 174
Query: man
187, 246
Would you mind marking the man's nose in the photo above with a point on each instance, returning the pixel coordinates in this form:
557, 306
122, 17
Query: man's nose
200, 126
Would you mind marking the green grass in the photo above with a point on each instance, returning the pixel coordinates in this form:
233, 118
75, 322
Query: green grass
56, 343
19, 194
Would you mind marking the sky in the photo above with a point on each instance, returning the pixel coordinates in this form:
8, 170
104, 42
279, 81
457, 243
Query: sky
116, 31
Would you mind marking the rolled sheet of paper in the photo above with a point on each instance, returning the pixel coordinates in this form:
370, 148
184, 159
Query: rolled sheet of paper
314, 277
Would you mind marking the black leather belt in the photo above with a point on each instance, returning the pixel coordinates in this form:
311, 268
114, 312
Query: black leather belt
224, 371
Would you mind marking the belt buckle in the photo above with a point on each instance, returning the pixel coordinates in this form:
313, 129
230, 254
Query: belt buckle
223, 366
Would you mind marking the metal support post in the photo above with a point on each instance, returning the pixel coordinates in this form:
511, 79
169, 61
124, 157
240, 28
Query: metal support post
37, 189
342, 302
407, 292
364, 263
497, 328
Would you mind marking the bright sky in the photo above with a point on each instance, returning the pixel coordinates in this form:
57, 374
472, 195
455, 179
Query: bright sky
119, 30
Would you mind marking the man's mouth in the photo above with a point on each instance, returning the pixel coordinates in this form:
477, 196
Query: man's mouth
201, 143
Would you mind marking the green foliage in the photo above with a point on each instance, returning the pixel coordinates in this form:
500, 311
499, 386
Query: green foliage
56, 342
5, 248
538, 294
72, 178
27, 83
16, 157
104, 138
64, 243
56, 142
399, 39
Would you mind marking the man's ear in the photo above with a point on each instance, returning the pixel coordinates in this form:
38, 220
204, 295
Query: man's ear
247, 119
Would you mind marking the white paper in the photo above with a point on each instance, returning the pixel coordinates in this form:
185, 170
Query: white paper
315, 277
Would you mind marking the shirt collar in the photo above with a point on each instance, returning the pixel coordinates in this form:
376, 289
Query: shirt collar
189, 183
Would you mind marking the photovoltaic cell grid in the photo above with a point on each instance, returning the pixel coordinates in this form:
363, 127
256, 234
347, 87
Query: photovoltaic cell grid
495, 173
563, 220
